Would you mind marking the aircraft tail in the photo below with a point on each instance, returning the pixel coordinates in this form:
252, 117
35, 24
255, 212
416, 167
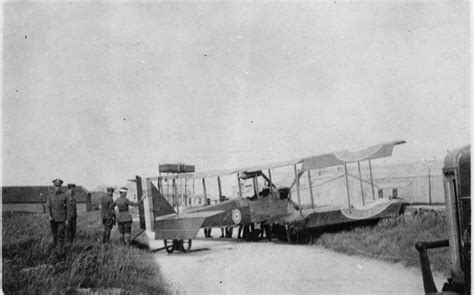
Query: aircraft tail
160, 205
154, 206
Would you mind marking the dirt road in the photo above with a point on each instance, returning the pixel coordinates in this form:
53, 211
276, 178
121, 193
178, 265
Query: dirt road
231, 266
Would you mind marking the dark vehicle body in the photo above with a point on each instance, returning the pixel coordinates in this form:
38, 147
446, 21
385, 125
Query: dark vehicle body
457, 190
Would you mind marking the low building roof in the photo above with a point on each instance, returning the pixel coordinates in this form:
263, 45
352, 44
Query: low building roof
36, 194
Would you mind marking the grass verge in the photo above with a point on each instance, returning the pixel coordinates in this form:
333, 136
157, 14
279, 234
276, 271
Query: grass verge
394, 239
28, 266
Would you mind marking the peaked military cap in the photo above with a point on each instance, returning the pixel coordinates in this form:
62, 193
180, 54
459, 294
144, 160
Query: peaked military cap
57, 182
71, 185
110, 189
123, 190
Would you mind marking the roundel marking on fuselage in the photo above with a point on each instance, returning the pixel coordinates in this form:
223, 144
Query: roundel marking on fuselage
236, 216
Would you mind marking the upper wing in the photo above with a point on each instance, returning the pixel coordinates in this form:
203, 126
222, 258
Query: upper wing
345, 157
224, 172
308, 163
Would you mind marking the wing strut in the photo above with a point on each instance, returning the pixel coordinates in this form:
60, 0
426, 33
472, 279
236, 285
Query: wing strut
371, 180
238, 183
310, 188
347, 186
269, 179
297, 179
361, 186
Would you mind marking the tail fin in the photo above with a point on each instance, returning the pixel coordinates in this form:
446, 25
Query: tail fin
160, 205
153, 206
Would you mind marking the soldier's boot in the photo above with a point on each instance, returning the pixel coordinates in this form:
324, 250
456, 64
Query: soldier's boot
70, 239
52, 249
127, 239
107, 235
60, 252
54, 245
122, 240
104, 237
72, 233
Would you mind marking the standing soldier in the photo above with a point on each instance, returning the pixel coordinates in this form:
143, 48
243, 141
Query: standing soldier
107, 214
124, 218
71, 229
58, 209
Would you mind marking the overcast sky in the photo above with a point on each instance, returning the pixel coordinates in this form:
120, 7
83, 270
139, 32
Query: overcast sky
95, 93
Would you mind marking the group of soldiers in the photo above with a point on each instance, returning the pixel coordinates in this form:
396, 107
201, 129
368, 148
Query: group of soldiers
110, 218
61, 208
62, 213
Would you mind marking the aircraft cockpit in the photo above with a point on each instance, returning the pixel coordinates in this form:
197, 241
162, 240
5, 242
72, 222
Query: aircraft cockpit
269, 189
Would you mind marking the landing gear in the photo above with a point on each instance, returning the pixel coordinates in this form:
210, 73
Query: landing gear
185, 245
169, 245
180, 245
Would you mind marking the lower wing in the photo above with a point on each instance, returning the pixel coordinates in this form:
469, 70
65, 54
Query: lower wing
184, 227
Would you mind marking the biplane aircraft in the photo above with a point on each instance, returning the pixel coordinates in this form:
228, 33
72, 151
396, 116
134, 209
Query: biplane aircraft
271, 204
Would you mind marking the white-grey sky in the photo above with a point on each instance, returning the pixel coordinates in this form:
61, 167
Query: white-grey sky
98, 92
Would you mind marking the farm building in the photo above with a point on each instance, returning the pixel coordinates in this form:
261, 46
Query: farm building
33, 198
96, 197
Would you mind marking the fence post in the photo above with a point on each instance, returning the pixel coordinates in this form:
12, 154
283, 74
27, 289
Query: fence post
429, 185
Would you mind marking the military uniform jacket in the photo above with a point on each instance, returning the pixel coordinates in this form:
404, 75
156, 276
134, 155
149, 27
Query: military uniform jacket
108, 211
58, 207
72, 203
122, 203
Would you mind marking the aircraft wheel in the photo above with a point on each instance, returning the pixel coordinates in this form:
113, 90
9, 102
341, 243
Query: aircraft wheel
169, 246
292, 235
185, 245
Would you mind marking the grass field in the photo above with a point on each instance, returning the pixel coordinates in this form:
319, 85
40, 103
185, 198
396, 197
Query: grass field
394, 240
29, 268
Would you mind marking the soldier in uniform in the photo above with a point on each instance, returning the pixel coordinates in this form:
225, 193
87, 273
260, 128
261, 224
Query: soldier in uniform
124, 219
71, 229
107, 214
58, 210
